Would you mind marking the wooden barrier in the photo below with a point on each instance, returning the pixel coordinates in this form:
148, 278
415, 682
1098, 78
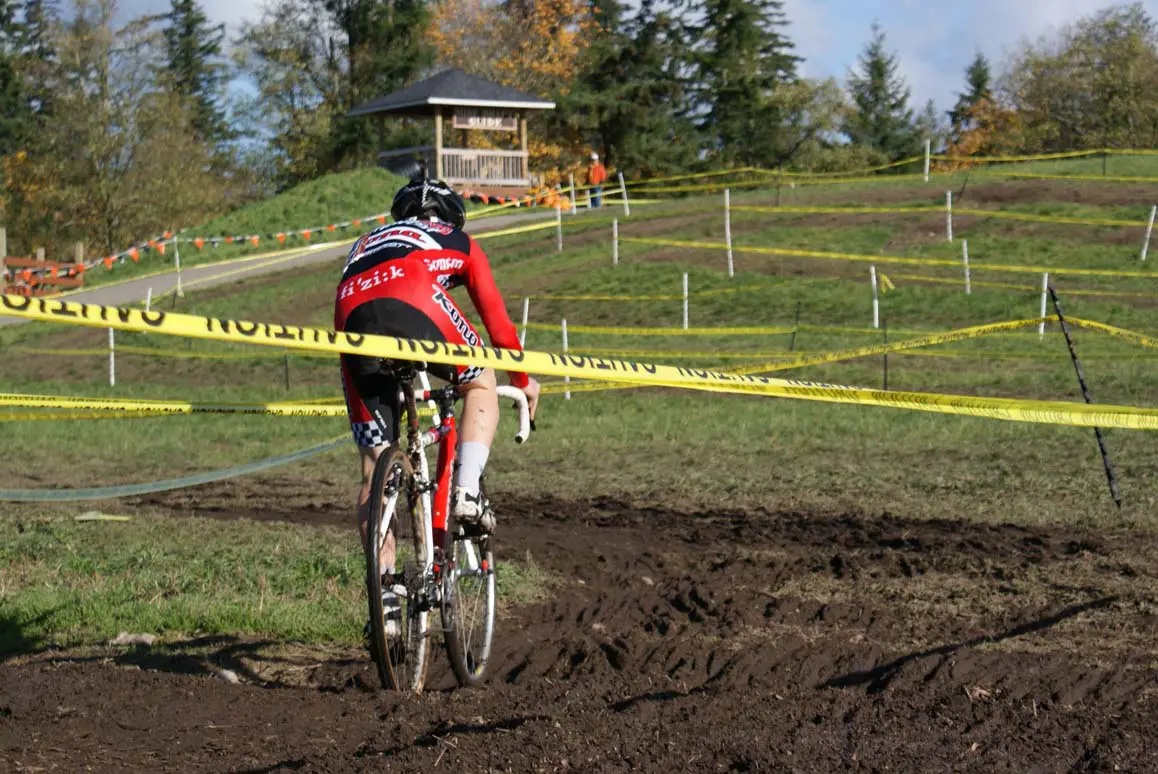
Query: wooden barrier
32, 277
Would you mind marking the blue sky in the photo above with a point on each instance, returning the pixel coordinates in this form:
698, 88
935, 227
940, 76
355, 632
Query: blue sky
935, 40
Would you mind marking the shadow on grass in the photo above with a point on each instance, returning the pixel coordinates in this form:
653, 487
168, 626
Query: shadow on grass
20, 637
268, 663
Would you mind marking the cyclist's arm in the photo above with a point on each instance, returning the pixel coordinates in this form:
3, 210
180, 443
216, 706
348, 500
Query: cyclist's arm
480, 283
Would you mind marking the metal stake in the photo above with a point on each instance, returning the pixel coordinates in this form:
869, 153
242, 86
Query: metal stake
1110, 477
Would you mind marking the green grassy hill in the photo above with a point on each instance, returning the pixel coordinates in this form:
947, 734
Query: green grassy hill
1115, 166
338, 197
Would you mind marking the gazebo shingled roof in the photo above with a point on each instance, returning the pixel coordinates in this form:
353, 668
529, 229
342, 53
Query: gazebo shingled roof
476, 101
451, 88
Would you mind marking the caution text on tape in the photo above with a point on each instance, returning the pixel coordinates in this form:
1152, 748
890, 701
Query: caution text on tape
575, 366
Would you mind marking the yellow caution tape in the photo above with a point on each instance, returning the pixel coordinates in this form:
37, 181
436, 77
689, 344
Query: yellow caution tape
1030, 218
150, 352
623, 331
604, 352
45, 416
1089, 178
1039, 157
770, 174
691, 176
169, 407
980, 160
747, 331
105, 408
550, 224
848, 172
802, 253
1026, 288
789, 356
961, 334
998, 214
873, 179
1112, 330
561, 297
516, 230
574, 366
667, 297
715, 186
924, 208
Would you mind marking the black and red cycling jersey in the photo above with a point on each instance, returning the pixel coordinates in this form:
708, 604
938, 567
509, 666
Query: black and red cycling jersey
418, 262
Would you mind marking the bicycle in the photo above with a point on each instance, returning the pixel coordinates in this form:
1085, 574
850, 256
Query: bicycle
450, 567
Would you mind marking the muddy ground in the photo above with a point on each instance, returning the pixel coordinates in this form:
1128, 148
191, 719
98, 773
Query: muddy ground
675, 641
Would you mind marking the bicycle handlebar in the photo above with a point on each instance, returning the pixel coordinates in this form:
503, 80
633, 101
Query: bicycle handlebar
520, 399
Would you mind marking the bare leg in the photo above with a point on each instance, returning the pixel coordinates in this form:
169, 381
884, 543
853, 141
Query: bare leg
369, 458
480, 410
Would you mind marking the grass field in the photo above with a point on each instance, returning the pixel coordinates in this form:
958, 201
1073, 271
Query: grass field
642, 446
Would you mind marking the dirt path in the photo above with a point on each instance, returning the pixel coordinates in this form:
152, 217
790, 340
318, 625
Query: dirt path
731, 641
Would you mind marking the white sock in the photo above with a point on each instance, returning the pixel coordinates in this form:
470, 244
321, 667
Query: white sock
472, 460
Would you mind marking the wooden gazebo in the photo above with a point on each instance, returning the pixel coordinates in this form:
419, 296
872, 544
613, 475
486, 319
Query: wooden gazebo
471, 103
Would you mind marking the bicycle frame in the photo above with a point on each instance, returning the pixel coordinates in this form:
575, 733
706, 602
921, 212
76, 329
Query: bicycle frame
444, 434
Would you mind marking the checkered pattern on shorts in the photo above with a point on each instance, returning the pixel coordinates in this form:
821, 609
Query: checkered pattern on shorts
469, 374
368, 434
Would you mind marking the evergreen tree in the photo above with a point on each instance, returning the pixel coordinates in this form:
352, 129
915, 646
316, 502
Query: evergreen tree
194, 66
744, 57
35, 27
882, 118
978, 80
385, 44
37, 53
14, 114
930, 126
386, 49
629, 101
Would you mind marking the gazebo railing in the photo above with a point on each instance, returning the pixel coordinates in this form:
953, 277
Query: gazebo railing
494, 167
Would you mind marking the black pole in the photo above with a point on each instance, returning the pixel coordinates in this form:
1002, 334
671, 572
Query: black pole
1110, 477
885, 359
795, 325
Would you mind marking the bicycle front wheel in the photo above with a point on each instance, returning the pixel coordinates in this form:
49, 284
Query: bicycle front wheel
399, 639
468, 603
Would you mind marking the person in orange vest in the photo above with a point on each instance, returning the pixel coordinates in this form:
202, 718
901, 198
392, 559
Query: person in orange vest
596, 175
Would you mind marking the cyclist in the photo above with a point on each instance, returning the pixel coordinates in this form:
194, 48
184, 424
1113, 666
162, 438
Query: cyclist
397, 282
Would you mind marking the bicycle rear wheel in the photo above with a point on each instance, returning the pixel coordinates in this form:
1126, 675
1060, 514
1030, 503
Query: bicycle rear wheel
399, 640
468, 603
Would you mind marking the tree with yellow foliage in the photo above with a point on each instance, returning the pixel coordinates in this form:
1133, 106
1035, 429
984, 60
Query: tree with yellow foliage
534, 46
987, 128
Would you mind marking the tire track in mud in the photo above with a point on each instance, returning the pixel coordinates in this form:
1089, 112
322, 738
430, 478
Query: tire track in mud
675, 640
